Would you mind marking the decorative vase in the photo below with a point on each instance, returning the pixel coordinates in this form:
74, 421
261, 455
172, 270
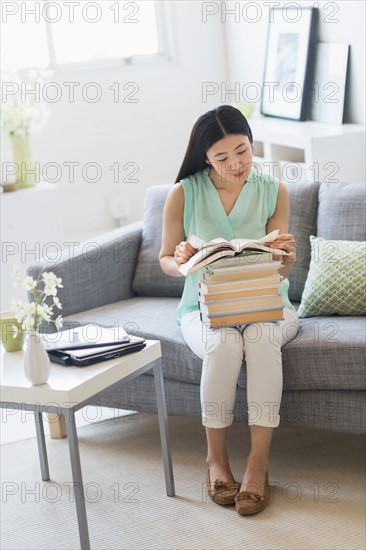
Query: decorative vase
11, 341
37, 366
27, 171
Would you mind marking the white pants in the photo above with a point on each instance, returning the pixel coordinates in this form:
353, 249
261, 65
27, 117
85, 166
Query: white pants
223, 350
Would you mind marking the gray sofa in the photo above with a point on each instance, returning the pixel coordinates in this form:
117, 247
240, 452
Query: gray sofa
117, 278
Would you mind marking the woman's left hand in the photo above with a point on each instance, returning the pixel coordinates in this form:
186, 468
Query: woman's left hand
286, 242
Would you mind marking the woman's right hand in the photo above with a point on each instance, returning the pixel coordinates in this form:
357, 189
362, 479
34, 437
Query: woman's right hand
183, 251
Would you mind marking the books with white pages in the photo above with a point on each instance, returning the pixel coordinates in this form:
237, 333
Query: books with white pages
206, 287
219, 321
237, 294
241, 272
213, 250
243, 305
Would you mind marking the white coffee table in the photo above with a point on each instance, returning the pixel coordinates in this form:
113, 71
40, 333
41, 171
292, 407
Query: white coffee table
70, 389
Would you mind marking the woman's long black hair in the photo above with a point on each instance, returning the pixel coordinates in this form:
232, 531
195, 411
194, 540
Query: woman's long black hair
207, 130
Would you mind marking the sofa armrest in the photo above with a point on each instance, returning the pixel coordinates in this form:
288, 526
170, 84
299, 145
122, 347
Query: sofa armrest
96, 272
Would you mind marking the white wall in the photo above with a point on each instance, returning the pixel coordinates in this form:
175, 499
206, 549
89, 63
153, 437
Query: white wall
152, 133
246, 45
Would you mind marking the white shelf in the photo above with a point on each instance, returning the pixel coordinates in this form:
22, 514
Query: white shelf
326, 152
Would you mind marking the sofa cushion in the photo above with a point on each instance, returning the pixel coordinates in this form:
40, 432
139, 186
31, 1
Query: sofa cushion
149, 279
341, 211
327, 353
336, 279
303, 198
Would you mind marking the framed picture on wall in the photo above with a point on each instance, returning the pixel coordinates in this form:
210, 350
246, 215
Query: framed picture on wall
328, 89
289, 59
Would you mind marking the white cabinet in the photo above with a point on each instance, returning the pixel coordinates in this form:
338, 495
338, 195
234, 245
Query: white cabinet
295, 151
31, 227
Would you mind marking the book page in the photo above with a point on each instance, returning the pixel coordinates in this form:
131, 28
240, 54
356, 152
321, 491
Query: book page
203, 258
266, 239
198, 243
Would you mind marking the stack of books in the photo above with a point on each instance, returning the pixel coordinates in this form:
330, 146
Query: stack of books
243, 290
240, 281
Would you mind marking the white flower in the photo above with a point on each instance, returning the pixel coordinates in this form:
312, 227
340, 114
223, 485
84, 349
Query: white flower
51, 283
57, 303
48, 277
50, 290
19, 315
41, 311
15, 331
58, 322
46, 308
29, 283
31, 314
23, 113
29, 309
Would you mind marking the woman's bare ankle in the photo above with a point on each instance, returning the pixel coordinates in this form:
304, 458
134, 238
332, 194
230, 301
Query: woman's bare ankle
258, 460
217, 458
219, 468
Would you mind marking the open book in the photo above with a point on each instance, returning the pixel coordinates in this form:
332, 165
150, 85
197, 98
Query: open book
211, 251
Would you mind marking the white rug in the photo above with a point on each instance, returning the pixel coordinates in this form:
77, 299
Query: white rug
317, 493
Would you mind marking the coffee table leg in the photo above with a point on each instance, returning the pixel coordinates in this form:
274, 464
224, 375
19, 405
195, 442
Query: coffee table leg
42, 451
78, 480
163, 427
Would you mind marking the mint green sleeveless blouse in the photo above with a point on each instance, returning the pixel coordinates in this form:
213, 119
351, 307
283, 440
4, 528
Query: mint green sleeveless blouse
205, 216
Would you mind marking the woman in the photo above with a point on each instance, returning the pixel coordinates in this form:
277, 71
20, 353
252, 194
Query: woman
218, 193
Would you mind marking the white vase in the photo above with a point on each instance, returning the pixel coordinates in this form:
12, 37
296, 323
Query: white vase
27, 171
37, 366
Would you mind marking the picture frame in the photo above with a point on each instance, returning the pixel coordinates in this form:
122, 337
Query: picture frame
289, 62
328, 87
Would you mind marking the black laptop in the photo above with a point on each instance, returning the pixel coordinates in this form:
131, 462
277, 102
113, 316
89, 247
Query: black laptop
90, 356
89, 344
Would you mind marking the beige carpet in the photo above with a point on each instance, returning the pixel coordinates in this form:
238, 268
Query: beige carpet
317, 498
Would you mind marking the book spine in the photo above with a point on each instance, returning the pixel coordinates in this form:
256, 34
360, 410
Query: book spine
222, 307
219, 286
237, 295
240, 318
253, 267
241, 276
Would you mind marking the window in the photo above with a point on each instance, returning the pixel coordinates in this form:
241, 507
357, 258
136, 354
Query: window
42, 33
23, 45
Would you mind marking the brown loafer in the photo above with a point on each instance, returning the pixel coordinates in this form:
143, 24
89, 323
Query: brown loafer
248, 502
223, 492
